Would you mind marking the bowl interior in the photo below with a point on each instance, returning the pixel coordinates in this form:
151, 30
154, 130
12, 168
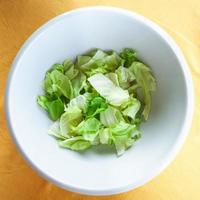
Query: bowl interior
97, 170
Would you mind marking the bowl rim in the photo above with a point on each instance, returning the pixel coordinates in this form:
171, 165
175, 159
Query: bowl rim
189, 101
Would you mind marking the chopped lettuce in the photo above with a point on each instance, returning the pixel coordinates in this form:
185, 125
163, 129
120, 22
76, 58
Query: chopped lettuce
88, 129
98, 61
110, 116
57, 84
70, 119
122, 135
80, 102
125, 77
77, 143
61, 83
107, 89
105, 136
55, 131
129, 56
95, 106
69, 69
146, 82
78, 83
58, 67
93, 64
113, 77
55, 108
132, 109
101, 98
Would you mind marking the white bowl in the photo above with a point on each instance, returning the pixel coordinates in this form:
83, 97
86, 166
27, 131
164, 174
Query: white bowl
98, 171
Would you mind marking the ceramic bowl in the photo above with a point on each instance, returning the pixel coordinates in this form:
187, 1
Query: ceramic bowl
99, 171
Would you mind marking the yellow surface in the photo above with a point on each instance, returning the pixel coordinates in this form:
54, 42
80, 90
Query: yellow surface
180, 18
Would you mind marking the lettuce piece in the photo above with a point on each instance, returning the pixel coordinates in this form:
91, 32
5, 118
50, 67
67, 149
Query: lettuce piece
112, 61
122, 136
133, 88
122, 128
125, 77
132, 108
54, 130
129, 56
136, 134
110, 116
105, 136
78, 83
81, 60
47, 84
71, 73
89, 129
55, 108
146, 82
64, 125
80, 102
57, 84
70, 119
93, 62
67, 64
58, 67
95, 106
61, 83
93, 52
122, 143
113, 77
98, 61
42, 100
69, 69
75, 143
107, 89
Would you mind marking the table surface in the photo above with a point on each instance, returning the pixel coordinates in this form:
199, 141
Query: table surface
180, 18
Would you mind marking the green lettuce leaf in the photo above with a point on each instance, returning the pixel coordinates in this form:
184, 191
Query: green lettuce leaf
110, 116
59, 67
95, 106
125, 77
133, 88
112, 61
78, 83
70, 119
129, 55
146, 82
107, 89
67, 64
69, 69
113, 77
122, 136
105, 136
132, 108
80, 102
75, 143
98, 61
89, 129
55, 108
54, 130
42, 100
47, 84
61, 84
94, 62
81, 60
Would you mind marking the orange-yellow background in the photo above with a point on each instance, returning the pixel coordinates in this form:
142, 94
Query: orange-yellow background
180, 18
